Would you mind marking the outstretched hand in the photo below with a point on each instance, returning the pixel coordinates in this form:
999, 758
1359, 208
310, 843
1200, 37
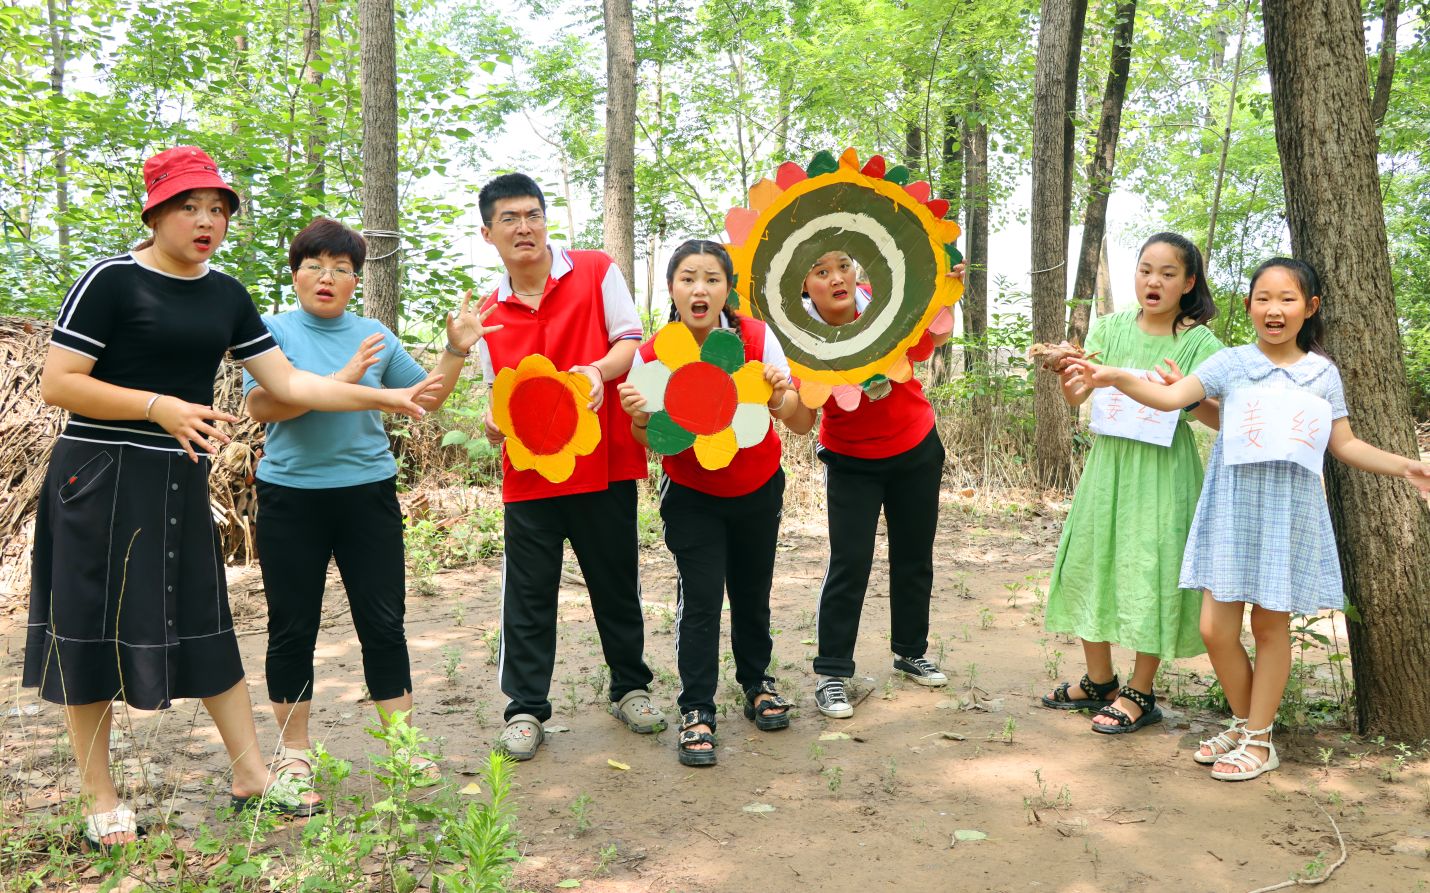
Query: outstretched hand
407, 401
189, 423
465, 326
1091, 375
1419, 474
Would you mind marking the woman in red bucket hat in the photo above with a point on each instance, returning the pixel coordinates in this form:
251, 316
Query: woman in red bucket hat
128, 600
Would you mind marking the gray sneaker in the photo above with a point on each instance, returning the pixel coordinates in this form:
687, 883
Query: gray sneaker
921, 670
831, 699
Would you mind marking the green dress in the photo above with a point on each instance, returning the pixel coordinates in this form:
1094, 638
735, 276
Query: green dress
1115, 575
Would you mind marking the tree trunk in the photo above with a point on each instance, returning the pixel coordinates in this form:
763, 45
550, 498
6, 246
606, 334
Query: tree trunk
379, 159
620, 196
950, 189
1385, 74
313, 142
975, 291
59, 49
1104, 281
1226, 138
1076, 24
1053, 433
1320, 93
914, 151
1099, 172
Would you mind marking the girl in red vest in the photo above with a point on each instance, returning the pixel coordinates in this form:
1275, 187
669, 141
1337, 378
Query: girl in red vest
884, 454
721, 525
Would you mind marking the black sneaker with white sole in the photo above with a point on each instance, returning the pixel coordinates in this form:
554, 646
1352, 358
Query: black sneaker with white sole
831, 699
921, 670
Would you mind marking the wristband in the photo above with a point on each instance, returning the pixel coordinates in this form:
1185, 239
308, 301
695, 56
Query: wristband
1191, 406
149, 407
457, 353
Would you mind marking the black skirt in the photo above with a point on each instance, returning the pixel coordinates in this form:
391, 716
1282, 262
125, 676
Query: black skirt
128, 599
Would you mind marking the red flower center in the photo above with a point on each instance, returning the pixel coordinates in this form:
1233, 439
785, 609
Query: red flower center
701, 398
543, 414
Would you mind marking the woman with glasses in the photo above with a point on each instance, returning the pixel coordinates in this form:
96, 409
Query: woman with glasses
327, 486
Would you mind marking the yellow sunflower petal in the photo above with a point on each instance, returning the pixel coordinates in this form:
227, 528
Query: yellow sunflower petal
501, 400
763, 193
556, 467
750, 383
522, 459
902, 370
814, 393
588, 432
715, 451
675, 346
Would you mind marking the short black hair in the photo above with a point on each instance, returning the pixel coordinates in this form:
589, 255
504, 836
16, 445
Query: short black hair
507, 186
327, 236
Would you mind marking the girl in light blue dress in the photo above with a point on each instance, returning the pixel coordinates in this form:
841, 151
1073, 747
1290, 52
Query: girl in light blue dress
1262, 531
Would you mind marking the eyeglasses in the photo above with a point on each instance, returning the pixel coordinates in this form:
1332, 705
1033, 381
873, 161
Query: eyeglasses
341, 274
535, 219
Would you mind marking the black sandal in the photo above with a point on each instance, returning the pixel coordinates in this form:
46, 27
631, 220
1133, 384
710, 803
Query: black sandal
769, 714
1150, 713
688, 737
1098, 690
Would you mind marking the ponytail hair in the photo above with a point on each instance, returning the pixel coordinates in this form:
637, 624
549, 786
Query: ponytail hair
1197, 304
722, 257
1314, 328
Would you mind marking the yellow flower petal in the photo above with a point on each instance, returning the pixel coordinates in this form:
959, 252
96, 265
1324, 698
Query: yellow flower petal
763, 194
501, 400
750, 384
522, 459
715, 451
556, 467
675, 346
588, 433
814, 393
902, 370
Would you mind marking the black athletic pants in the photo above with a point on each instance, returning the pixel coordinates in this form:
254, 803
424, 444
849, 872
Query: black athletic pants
721, 542
906, 486
602, 529
299, 531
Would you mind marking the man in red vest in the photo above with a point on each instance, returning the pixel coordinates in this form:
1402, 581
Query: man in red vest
574, 308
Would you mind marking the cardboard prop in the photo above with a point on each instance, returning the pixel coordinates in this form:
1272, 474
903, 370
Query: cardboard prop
874, 214
543, 414
703, 396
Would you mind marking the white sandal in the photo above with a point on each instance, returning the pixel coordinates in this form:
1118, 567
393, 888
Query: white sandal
288, 757
119, 820
1221, 743
1250, 765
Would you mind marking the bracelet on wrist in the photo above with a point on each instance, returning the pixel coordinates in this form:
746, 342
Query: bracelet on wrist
1191, 406
457, 353
149, 407
640, 426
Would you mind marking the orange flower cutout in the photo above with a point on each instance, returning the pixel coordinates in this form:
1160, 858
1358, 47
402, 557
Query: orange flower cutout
543, 414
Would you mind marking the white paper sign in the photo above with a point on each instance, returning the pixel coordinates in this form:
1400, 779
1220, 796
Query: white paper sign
1118, 415
1275, 425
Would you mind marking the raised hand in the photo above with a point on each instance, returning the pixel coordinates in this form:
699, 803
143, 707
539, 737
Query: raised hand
598, 385
465, 326
633, 403
365, 358
189, 424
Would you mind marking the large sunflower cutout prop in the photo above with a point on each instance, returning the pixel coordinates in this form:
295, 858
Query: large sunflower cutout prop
544, 416
892, 227
703, 396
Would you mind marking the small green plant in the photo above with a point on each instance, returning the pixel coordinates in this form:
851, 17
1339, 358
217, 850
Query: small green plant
606, 858
889, 781
888, 693
1010, 725
420, 540
985, 618
580, 810
492, 639
1013, 589
451, 659
833, 778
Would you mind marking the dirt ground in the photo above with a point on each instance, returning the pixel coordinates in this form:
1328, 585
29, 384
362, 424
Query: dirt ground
881, 801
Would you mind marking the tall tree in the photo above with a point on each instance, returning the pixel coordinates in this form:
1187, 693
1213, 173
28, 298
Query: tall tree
975, 292
1385, 72
314, 142
1099, 170
1320, 93
59, 50
620, 193
1053, 433
378, 38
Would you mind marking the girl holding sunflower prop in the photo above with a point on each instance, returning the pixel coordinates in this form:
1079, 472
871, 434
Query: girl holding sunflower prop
701, 393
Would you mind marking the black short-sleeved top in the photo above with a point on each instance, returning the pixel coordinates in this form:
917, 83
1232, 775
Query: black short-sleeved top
153, 331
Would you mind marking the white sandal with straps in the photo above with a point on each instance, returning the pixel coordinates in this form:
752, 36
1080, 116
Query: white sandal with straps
288, 756
1249, 764
119, 820
1222, 743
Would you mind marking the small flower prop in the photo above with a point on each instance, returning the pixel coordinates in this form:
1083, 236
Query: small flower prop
543, 414
706, 397
894, 228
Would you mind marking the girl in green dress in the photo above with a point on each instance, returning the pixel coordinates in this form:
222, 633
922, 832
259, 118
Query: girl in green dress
1115, 576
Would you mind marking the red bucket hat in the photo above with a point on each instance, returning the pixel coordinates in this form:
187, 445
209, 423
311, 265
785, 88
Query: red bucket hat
178, 170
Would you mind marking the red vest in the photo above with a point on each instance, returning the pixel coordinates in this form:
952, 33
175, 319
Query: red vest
878, 429
569, 328
753, 466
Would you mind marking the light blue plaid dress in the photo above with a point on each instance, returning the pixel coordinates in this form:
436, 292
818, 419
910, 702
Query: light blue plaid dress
1262, 532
